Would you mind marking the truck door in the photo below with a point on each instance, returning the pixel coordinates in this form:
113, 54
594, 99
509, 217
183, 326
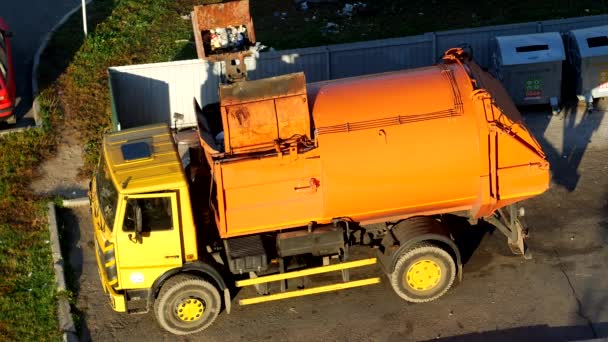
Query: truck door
288, 193
144, 256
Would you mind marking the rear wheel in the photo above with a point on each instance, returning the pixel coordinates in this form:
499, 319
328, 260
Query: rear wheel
187, 305
423, 273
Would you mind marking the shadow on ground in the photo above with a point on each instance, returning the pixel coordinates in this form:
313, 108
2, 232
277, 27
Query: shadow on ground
577, 124
535, 333
70, 239
67, 192
467, 237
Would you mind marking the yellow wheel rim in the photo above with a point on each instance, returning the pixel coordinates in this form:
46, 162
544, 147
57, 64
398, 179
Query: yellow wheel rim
423, 275
190, 309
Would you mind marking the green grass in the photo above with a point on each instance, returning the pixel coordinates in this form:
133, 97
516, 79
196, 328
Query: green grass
27, 285
27, 288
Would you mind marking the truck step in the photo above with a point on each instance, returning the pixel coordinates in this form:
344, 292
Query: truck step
314, 290
302, 273
307, 272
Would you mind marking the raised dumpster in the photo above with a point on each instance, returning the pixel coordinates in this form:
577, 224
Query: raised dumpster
588, 57
224, 32
530, 67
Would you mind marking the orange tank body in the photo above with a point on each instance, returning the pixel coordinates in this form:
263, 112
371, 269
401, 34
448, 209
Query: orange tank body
389, 146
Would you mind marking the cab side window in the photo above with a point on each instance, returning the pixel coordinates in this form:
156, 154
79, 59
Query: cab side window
156, 214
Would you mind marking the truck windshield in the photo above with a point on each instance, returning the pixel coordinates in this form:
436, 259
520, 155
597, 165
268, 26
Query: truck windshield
107, 194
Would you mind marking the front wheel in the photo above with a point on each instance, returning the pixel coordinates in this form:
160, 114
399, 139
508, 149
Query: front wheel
187, 305
423, 273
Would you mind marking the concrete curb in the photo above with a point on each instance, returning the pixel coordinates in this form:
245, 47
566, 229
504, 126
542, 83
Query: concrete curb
64, 315
16, 130
36, 62
76, 202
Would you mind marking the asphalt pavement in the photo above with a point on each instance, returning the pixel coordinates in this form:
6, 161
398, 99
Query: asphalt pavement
30, 21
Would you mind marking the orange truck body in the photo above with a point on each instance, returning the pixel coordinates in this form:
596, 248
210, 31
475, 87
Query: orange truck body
377, 148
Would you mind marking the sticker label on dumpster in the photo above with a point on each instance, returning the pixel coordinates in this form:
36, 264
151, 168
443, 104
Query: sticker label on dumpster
534, 89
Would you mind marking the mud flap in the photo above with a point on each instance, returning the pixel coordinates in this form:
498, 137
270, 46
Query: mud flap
516, 240
513, 228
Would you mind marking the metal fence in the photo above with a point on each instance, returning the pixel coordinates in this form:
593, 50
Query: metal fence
152, 93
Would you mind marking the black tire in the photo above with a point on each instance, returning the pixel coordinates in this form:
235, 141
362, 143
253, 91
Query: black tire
418, 286
180, 291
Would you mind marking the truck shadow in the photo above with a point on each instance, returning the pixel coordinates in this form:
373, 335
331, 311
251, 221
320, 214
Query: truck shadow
566, 137
587, 294
565, 152
541, 332
72, 250
467, 237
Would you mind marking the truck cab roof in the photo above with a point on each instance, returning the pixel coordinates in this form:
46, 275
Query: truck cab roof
143, 159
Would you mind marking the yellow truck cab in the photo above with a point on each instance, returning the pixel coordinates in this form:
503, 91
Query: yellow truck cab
143, 235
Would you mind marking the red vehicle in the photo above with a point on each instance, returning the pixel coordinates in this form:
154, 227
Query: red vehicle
7, 76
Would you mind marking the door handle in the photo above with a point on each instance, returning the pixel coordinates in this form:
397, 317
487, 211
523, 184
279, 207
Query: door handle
171, 256
313, 185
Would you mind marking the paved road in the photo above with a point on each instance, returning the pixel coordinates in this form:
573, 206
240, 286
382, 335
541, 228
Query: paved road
30, 21
561, 294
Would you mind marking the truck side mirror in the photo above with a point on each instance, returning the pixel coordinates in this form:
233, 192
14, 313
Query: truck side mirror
138, 224
136, 220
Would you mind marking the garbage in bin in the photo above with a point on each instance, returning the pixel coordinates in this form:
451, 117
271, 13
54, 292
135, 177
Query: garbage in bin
588, 61
229, 38
530, 67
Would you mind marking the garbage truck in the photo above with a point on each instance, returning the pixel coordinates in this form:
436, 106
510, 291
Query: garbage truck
287, 182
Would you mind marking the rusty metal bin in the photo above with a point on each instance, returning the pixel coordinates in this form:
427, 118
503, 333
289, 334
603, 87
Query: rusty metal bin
221, 15
530, 67
588, 58
260, 115
228, 17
